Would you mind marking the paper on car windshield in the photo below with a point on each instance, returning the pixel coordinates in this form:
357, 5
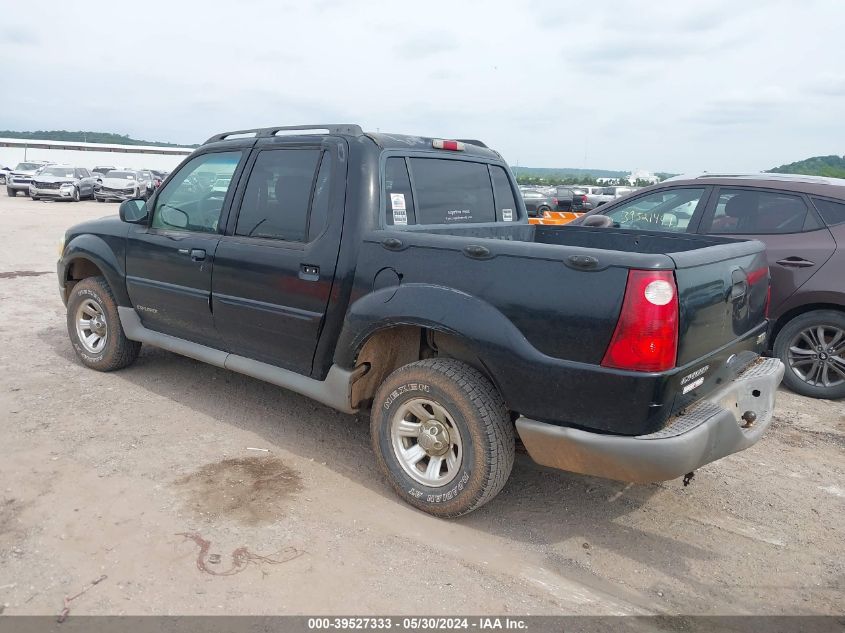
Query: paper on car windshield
397, 204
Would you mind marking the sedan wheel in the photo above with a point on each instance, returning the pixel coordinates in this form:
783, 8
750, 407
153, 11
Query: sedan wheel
815, 354
812, 346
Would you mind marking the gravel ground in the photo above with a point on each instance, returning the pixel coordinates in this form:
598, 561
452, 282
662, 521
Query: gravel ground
144, 478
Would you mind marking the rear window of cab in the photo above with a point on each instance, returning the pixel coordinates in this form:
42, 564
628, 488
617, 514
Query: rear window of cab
446, 192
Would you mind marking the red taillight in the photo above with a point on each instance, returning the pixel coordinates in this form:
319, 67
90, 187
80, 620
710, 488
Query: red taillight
554, 201
583, 198
646, 335
454, 146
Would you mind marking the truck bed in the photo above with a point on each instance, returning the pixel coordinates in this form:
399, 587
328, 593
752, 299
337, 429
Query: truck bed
554, 294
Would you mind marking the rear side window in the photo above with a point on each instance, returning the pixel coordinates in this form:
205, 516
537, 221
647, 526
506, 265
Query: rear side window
276, 201
400, 199
452, 191
505, 202
831, 212
749, 212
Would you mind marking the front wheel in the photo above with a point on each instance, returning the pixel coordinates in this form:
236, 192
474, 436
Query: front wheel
11, 192
75, 195
94, 327
442, 436
812, 347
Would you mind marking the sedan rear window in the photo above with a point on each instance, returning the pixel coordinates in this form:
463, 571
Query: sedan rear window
452, 191
832, 212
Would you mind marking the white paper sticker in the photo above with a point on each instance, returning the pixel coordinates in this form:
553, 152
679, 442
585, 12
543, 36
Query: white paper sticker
400, 217
397, 201
507, 215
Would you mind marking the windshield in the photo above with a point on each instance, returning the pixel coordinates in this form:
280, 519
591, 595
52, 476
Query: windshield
125, 175
61, 172
27, 166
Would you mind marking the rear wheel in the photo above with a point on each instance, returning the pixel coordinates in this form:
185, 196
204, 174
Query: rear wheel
442, 435
94, 327
11, 192
542, 211
812, 346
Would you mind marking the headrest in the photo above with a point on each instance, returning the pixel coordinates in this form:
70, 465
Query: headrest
742, 205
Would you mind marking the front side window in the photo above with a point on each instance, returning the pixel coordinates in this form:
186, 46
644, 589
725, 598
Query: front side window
668, 210
749, 212
277, 197
190, 202
452, 191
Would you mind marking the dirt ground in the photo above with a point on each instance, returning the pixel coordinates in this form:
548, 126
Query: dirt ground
144, 478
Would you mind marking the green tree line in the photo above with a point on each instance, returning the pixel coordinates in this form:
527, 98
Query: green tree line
85, 137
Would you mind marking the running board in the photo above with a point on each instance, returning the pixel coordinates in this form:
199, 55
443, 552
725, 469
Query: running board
334, 391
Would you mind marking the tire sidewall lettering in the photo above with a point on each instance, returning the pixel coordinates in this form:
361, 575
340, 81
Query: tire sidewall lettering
403, 389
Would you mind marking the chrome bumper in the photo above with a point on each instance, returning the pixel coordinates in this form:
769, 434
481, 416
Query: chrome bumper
709, 430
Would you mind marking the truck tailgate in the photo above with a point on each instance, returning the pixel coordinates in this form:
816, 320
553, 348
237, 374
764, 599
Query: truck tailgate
720, 301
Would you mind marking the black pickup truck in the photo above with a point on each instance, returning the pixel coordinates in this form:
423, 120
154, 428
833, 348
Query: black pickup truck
400, 273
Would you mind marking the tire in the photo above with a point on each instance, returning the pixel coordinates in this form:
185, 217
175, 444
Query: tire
11, 192
542, 211
93, 298
36, 198
75, 196
812, 347
462, 402
99, 199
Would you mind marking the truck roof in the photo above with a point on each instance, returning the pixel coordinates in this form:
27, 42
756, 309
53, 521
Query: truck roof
471, 147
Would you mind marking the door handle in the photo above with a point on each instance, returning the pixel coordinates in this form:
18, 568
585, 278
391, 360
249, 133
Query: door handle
197, 254
309, 272
796, 262
476, 252
738, 289
392, 243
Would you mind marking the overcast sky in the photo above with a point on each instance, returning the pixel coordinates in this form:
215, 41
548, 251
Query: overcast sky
666, 86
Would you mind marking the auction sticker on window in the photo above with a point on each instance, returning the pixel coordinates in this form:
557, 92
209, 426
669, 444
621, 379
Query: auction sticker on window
507, 215
397, 204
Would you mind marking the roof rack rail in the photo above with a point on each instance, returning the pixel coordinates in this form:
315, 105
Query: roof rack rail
471, 141
348, 129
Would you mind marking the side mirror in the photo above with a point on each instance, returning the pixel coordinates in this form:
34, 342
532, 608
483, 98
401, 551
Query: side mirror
598, 221
133, 211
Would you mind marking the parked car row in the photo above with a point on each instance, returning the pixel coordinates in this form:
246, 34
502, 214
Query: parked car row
569, 198
801, 219
40, 179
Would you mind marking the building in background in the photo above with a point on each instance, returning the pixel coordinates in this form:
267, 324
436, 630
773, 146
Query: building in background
14, 151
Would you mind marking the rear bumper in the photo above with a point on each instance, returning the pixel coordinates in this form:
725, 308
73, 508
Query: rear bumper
708, 430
